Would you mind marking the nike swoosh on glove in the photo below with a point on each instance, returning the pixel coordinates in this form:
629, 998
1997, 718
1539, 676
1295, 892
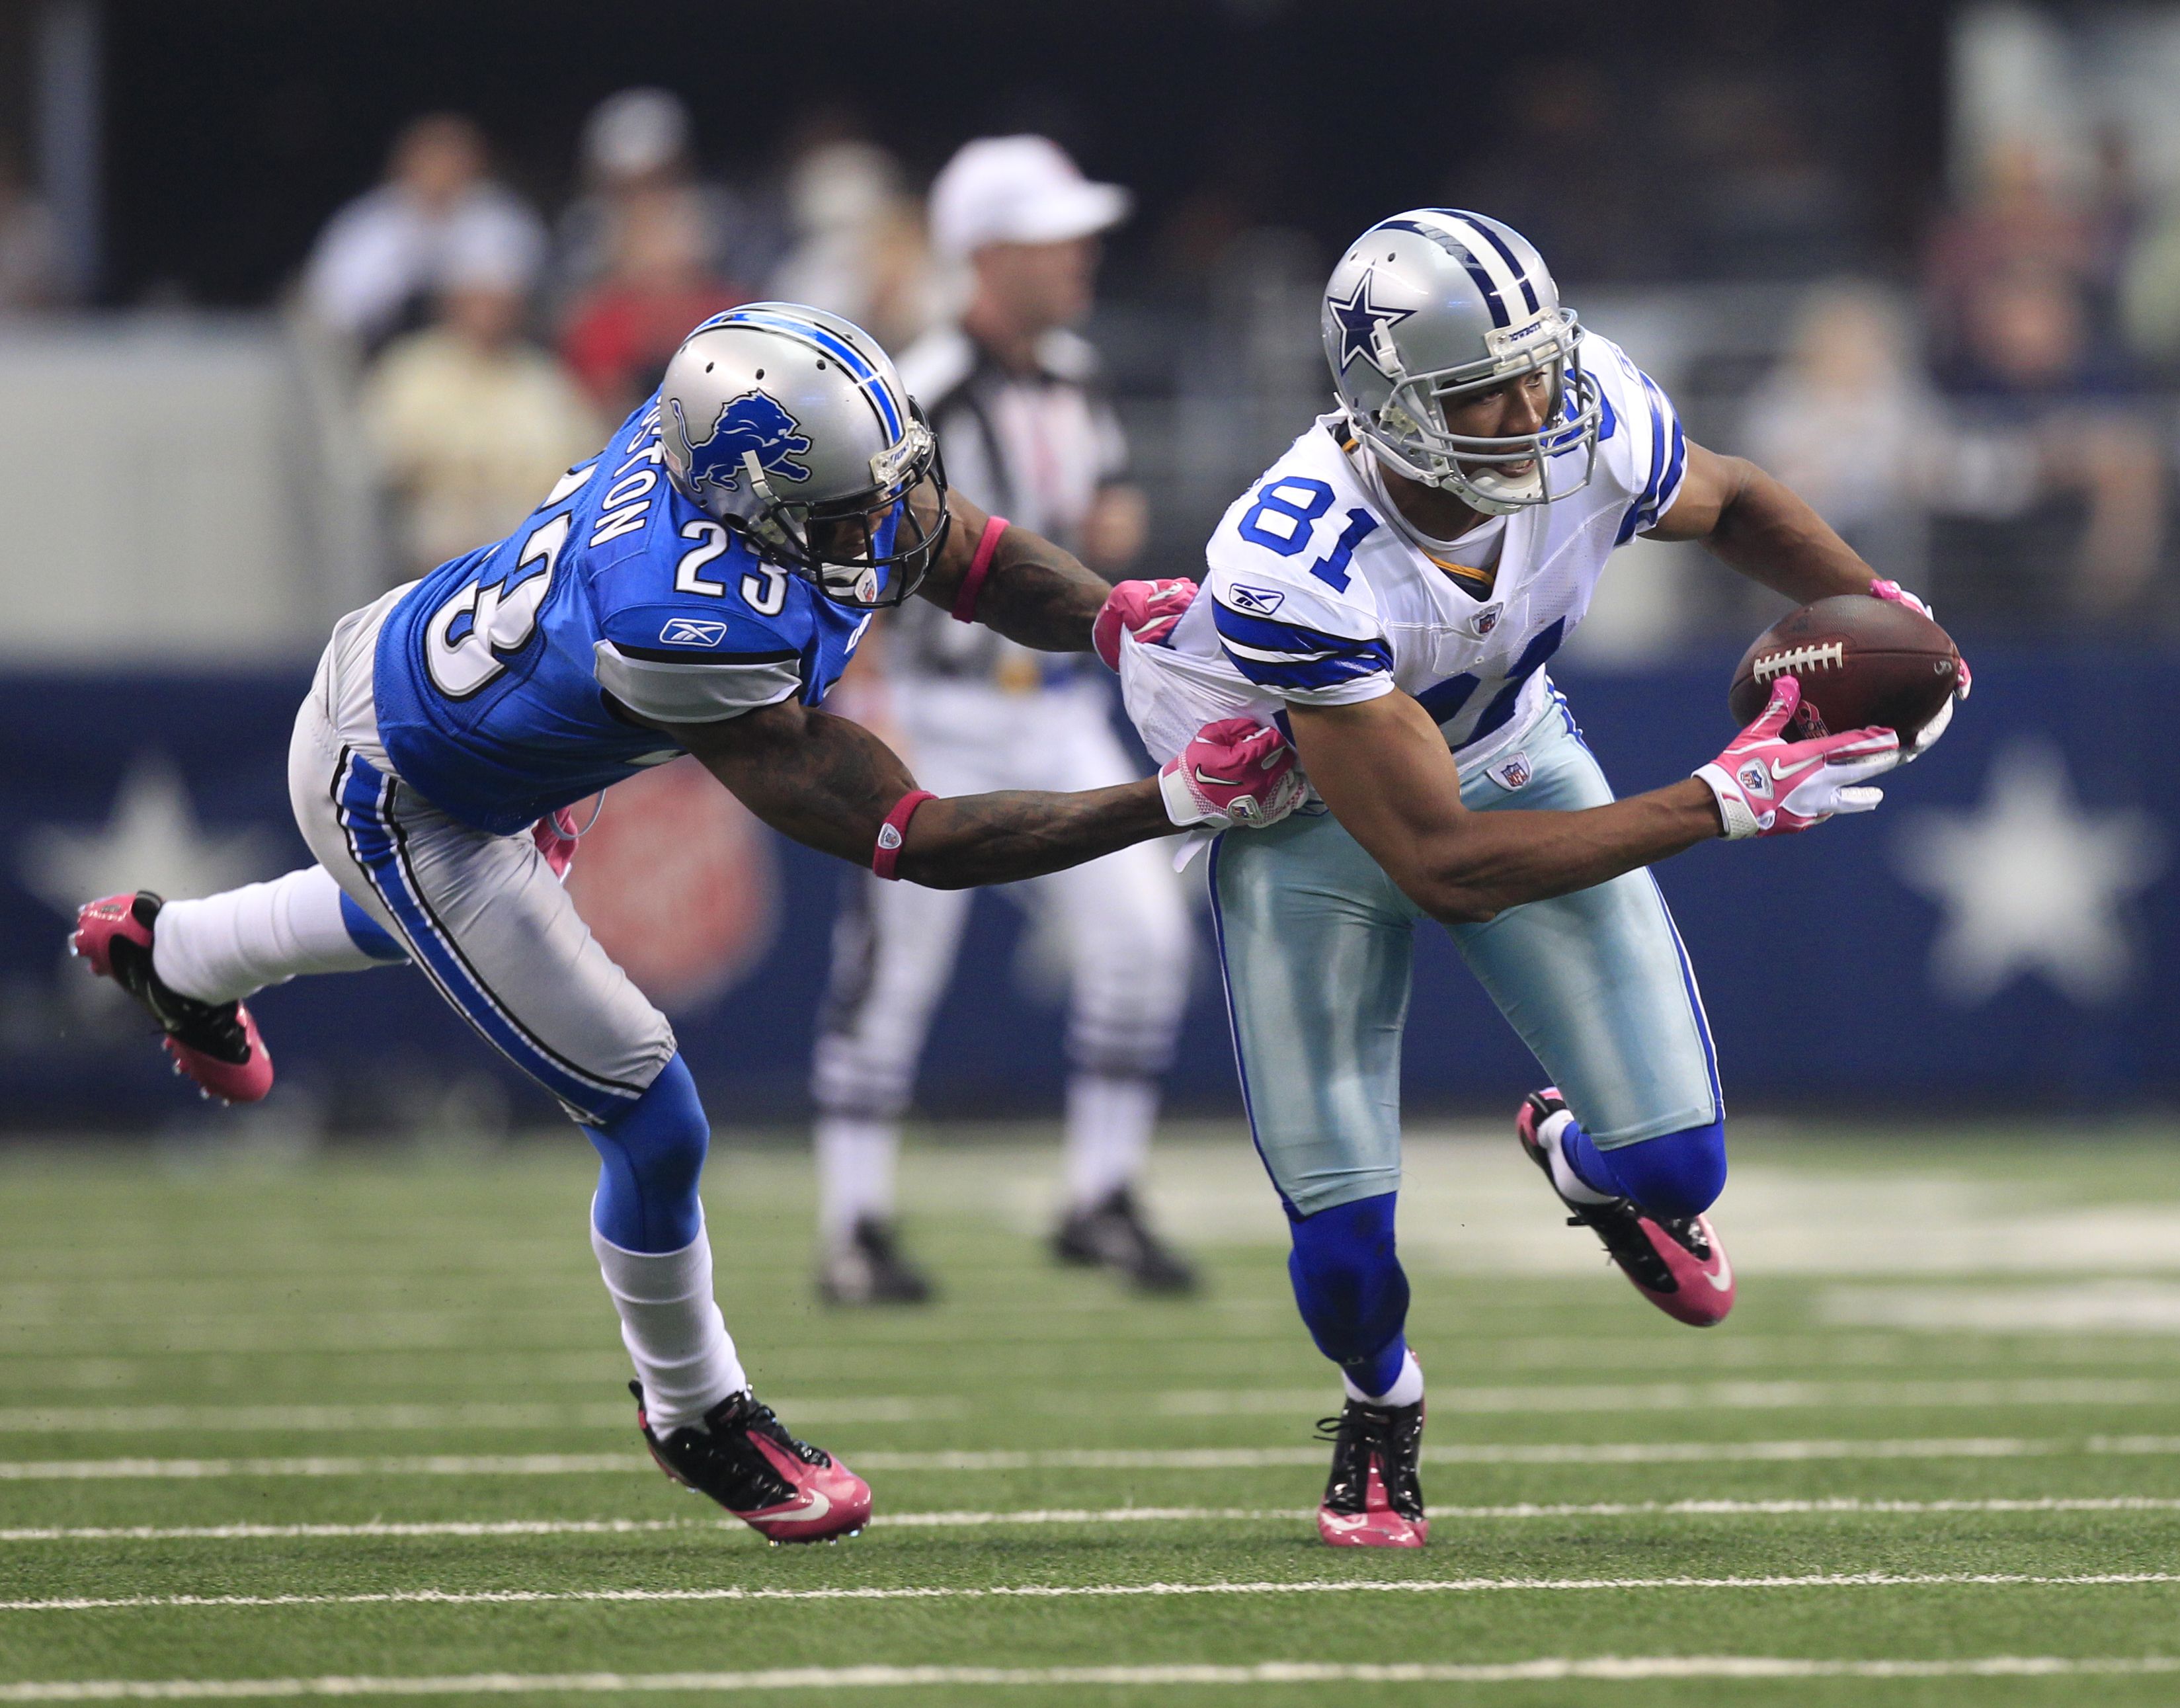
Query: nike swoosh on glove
1146, 609
1769, 787
1235, 771
1926, 737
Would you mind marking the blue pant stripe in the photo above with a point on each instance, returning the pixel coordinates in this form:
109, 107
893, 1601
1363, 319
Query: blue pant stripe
1234, 1027
375, 841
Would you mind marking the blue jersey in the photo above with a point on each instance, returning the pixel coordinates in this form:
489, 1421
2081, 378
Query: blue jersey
503, 679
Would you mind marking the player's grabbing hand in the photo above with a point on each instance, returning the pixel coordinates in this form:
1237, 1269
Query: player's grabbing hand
1146, 609
1767, 786
1236, 771
1963, 680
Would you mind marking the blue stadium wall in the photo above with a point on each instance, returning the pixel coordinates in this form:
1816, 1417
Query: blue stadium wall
2004, 934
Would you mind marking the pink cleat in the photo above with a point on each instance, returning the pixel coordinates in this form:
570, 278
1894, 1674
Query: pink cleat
1680, 1265
1374, 1498
215, 1044
743, 1457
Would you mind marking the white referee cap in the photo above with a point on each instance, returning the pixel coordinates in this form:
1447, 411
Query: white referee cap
1018, 190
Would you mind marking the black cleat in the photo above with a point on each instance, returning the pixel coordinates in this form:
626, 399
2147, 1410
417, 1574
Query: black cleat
743, 1457
870, 1270
1374, 1498
215, 1044
1113, 1235
1678, 1263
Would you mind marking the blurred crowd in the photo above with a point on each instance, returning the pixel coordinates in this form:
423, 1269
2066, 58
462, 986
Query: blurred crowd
2003, 427
491, 346
2018, 436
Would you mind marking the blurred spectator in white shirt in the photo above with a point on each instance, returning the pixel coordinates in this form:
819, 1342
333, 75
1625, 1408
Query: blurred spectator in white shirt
859, 248
31, 274
471, 423
1849, 421
382, 258
636, 152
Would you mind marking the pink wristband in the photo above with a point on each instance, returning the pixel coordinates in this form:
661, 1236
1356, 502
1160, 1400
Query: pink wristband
895, 831
980, 565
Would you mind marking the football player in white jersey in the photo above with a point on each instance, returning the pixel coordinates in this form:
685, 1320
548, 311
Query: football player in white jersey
1390, 592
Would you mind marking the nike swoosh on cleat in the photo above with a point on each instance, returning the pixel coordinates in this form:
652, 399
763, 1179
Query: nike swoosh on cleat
1723, 1280
1343, 1521
816, 1504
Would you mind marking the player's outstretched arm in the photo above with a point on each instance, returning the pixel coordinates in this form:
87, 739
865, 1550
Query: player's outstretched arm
1028, 588
1384, 768
835, 786
1757, 524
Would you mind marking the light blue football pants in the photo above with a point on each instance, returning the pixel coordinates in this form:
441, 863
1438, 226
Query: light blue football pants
1317, 947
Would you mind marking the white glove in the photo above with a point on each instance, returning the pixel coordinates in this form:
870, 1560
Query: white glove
1236, 771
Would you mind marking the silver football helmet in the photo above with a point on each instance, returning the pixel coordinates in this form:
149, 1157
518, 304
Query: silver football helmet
789, 426
1432, 305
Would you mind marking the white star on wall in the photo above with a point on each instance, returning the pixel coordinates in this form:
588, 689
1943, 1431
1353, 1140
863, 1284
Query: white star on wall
2030, 883
151, 841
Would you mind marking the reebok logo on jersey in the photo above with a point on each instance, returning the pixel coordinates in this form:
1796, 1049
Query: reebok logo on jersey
687, 631
1260, 601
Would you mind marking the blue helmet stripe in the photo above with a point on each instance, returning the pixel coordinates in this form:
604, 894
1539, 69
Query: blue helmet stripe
1462, 253
1485, 229
848, 355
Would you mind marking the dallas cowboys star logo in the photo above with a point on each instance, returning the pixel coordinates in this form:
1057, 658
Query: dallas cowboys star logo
1359, 320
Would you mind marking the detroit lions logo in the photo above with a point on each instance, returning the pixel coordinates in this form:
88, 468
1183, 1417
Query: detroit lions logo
750, 424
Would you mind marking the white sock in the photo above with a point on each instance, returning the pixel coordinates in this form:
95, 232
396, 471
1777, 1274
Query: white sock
1571, 1184
671, 1325
1408, 1387
1108, 1134
855, 1157
239, 941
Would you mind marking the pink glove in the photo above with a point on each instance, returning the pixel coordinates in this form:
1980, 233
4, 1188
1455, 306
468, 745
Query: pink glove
1236, 771
1896, 594
1146, 609
1769, 787
557, 837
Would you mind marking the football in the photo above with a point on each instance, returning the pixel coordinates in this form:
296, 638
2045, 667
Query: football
1860, 661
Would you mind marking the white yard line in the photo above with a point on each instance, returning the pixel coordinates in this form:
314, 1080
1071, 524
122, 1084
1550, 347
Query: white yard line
1606, 1668
1082, 1515
484, 1414
1040, 1592
1115, 1458
1704, 1396
1527, 1401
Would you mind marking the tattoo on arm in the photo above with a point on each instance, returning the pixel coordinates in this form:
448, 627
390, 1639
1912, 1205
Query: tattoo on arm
1034, 591
829, 784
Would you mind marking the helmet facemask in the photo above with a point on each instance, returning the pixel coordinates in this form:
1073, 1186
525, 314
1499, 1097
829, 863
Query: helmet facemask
1408, 432
869, 550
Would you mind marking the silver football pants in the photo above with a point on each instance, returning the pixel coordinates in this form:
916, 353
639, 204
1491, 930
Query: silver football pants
1317, 944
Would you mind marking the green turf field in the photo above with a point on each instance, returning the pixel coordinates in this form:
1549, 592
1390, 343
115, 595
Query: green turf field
355, 1423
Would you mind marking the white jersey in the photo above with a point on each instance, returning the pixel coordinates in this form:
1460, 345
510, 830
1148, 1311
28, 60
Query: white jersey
1319, 594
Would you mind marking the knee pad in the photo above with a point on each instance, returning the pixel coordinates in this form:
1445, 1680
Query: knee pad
651, 1157
1348, 1283
1675, 1174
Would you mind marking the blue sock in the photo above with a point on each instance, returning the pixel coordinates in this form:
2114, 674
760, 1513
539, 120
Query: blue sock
368, 934
650, 1160
1674, 1174
1350, 1288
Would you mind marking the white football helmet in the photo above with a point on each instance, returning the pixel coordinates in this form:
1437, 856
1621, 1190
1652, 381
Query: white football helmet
1431, 305
789, 426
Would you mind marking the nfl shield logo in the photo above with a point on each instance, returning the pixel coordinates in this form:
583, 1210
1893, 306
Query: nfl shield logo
1511, 774
1485, 620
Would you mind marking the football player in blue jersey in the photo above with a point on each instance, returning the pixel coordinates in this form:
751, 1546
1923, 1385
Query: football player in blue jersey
696, 588
1391, 590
